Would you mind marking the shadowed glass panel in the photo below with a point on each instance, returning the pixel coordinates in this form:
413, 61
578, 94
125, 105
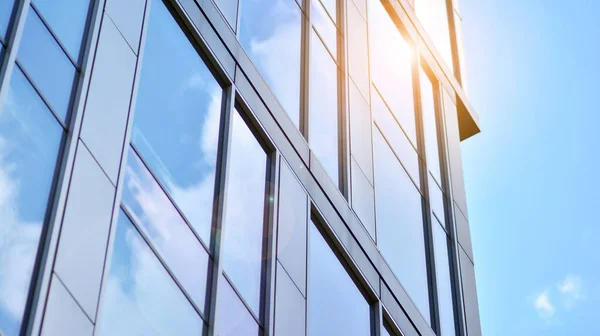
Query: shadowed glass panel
336, 305
242, 249
53, 74
139, 297
324, 114
158, 219
177, 119
30, 139
443, 280
400, 228
68, 19
270, 32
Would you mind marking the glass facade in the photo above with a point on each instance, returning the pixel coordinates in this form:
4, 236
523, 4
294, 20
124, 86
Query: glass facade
221, 223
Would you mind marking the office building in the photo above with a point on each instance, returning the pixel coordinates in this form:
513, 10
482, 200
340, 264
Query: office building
234, 167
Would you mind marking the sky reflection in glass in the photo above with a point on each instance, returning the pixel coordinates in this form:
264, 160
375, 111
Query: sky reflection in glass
270, 32
6, 9
139, 296
30, 139
178, 106
173, 239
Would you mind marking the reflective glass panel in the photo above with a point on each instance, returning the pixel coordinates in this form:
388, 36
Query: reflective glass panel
69, 31
6, 9
229, 9
176, 127
139, 297
244, 213
324, 112
430, 126
400, 228
324, 26
233, 319
336, 305
391, 67
433, 15
30, 139
436, 200
331, 6
270, 31
53, 74
443, 280
396, 138
172, 238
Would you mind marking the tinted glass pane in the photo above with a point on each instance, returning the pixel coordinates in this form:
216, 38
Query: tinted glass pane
229, 9
336, 305
6, 9
396, 138
54, 73
270, 33
69, 31
233, 319
292, 226
29, 143
323, 133
391, 60
176, 125
443, 280
324, 26
434, 17
400, 234
244, 213
139, 296
173, 239
430, 126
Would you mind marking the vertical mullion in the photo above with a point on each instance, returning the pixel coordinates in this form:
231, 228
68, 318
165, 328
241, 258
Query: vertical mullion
13, 40
344, 183
305, 72
220, 200
428, 236
270, 244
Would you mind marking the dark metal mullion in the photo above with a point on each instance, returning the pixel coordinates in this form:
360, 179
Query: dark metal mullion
304, 121
269, 264
344, 159
163, 262
56, 39
169, 197
428, 228
220, 198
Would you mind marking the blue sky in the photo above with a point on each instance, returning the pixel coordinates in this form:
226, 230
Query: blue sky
532, 174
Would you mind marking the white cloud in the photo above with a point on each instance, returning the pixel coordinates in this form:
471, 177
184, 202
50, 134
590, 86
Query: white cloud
543, 306
571, 290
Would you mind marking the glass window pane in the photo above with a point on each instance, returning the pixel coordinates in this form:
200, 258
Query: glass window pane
6, 9
30, 139
397, 139
53, 74
324, 114
172, 238
400, 228
229, 9
436, 200
391, 67
336, 305
69, 32
244, 213
331, 6
430, 126
324, 26
139, 297
443, 280
178, 107
233, 319
270, 32
434, 17
385, 332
